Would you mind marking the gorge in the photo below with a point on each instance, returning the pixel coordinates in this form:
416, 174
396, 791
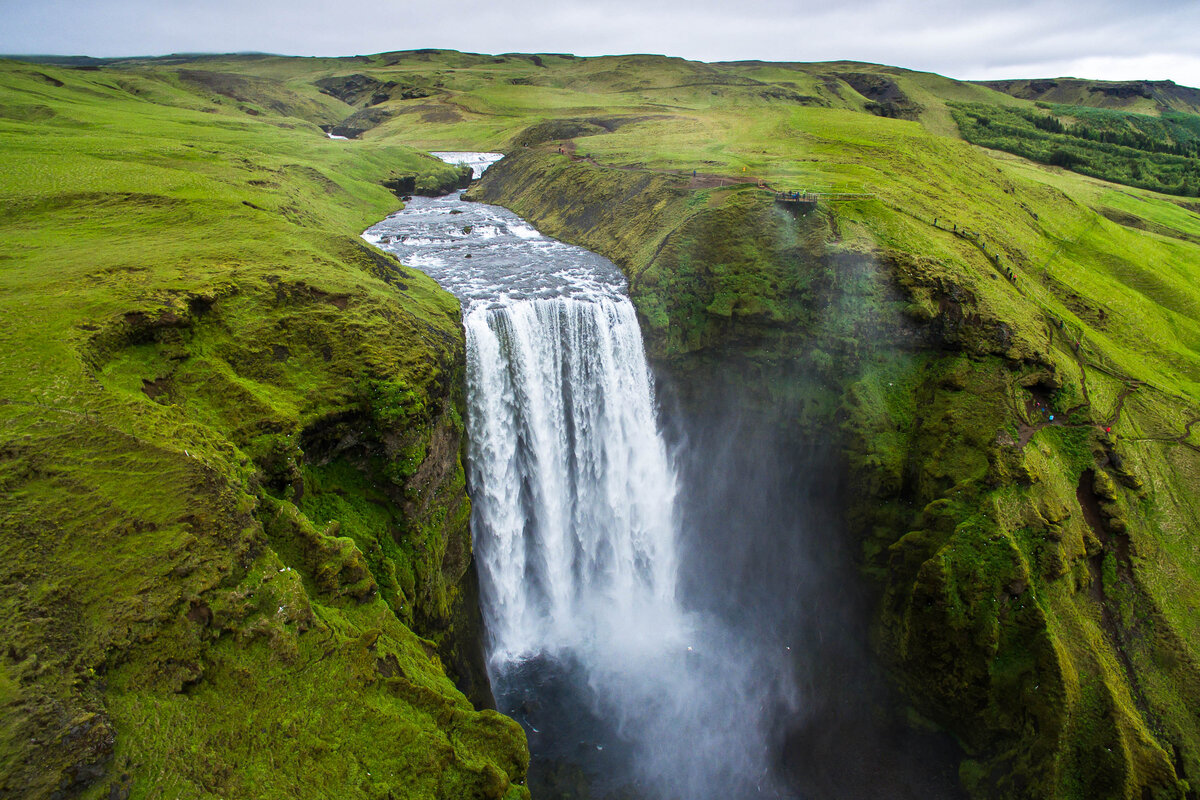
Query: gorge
575, 522
658, 632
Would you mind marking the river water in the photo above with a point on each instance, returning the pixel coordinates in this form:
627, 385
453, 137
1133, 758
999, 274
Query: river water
622, 688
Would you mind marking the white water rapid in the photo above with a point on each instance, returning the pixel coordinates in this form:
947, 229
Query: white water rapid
575, 522
573, 492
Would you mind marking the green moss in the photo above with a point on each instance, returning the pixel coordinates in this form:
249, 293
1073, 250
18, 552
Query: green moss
195, 619
346, 696
232, 371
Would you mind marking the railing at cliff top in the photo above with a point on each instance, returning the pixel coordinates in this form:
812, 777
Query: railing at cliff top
814, 197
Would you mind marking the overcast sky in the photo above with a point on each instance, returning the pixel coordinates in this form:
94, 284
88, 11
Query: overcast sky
970, 39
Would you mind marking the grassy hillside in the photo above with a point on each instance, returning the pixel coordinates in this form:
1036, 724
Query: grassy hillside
181, 252
1038, 575
1161, 153
234, 528
1140, 97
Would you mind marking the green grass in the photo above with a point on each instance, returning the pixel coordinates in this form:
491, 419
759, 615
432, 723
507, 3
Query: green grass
186, 301
188, 315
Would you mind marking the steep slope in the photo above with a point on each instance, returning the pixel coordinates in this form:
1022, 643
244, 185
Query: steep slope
234, 525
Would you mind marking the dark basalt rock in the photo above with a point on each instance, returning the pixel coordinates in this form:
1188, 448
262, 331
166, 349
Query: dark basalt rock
350, 89
355, 89
885, 97
360, 122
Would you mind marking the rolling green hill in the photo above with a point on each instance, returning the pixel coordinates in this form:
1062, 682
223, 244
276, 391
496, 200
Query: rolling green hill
1161, 153
220, 408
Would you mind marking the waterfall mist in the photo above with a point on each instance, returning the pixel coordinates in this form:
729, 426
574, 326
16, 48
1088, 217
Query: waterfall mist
770, 557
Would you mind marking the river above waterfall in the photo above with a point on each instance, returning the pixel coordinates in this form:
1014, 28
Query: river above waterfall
487, 254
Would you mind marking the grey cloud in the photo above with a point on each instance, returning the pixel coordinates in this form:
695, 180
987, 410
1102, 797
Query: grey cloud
968, 38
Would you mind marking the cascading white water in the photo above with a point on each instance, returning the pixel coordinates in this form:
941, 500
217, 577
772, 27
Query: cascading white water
575, 526
575, 522
573, 491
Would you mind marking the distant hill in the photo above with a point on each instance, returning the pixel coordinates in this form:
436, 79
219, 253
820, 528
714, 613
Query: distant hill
1146, 97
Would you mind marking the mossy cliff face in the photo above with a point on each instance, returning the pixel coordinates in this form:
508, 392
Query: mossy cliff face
1020, 519
719, 276
728, 286
234, 547
264, 577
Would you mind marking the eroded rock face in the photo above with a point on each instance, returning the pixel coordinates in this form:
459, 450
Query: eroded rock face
1114, 94
359, 88
370, 95
353, 89
885, 98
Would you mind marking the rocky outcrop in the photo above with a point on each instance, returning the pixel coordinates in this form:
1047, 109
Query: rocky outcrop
884, 97
362, 89
407, 185
360, 122
1103, 94
371, 95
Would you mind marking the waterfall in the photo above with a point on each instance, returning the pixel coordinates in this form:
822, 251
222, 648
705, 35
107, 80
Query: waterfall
573, 491
575, 530
576, 527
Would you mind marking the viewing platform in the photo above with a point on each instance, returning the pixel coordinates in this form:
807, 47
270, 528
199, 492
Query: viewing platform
807, 201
